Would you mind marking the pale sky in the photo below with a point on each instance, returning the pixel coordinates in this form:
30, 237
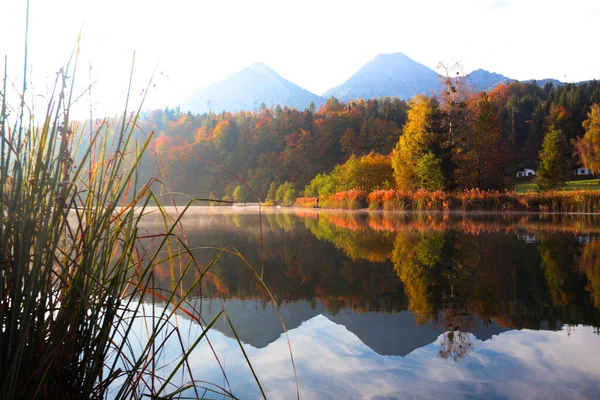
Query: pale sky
315, 44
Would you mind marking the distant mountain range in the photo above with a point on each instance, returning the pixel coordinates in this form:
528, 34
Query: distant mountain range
393, 75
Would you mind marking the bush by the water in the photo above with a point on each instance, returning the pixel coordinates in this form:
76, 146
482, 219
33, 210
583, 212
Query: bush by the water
350, 200
306, 202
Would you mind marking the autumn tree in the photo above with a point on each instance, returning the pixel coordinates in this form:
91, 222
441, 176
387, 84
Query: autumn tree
271, 194
588, 147
554, 167
239, 194
429, 172
560, 117
418, 136
368, 173
323, 185
289, 195
371, 172
286, 194
482, 152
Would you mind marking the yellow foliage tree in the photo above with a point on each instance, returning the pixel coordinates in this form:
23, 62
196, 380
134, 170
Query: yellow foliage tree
417, 138
588, 146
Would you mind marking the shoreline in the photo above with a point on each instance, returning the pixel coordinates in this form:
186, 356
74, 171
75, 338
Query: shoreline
195, 210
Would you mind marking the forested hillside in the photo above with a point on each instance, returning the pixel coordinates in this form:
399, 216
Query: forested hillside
462, 131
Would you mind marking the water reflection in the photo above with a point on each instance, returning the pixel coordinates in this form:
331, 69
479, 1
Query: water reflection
403, 285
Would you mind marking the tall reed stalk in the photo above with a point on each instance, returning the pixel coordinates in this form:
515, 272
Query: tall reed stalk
75, 266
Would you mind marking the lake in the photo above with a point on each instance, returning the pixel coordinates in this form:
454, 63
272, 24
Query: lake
393, 305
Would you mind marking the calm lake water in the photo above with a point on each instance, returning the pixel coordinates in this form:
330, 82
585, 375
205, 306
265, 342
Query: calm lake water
390, 305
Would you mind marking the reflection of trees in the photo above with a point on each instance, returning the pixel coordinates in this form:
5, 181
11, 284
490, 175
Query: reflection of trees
556, 257
350, 234
456, 344
415, 256
456, 341
447, 274
298, 266
286, 221
588, 263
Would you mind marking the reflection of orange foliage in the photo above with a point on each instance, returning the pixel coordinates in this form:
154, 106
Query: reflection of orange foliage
220, 284
307, 214
399, 222
381, 224
345, 221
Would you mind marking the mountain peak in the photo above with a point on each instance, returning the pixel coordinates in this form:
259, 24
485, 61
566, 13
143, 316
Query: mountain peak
388, 74
481, 79
398, 54
258, 66
245, 90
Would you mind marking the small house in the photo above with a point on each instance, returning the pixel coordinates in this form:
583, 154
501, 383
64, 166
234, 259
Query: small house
582, 171
525, 172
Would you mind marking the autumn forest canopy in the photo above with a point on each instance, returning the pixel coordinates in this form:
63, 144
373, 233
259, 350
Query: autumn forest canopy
455, 139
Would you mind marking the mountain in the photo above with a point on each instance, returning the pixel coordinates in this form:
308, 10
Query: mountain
543, 82
247, 90
483, 80
393, 75
397, 75
387, 75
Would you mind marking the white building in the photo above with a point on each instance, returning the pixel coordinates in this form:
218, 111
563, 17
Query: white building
525, 172
582, 171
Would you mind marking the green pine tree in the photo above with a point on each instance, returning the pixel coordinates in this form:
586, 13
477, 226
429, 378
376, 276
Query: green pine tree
271, 194
554, 167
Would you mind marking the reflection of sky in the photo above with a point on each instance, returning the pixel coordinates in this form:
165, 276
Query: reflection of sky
333, 363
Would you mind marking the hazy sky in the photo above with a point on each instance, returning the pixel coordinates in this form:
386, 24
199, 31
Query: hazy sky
315, 44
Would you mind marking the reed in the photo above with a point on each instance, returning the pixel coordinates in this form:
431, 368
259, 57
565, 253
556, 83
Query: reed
76, 266
577, 201
349, 200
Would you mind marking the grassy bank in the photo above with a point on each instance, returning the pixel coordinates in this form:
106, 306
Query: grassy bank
582, 184
579, 201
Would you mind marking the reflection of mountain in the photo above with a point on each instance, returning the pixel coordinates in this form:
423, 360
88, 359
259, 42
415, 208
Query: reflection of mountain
332, 363
256, 325
385, 333
388, 334
399, 334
